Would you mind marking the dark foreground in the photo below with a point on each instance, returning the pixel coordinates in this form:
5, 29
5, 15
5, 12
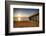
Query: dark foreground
26, 24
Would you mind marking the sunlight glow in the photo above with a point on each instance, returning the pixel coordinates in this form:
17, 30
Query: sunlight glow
18, 15
19, 19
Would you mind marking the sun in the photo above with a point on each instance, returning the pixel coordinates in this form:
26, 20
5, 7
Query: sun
19, 17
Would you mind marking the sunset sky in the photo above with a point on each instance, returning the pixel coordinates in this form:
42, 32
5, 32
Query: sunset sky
21, 12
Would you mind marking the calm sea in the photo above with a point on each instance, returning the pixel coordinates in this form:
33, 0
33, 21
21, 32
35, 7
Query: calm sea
22, 19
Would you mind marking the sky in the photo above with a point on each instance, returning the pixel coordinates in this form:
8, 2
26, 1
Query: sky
24, 12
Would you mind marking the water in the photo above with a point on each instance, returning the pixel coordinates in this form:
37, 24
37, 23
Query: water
22, 19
